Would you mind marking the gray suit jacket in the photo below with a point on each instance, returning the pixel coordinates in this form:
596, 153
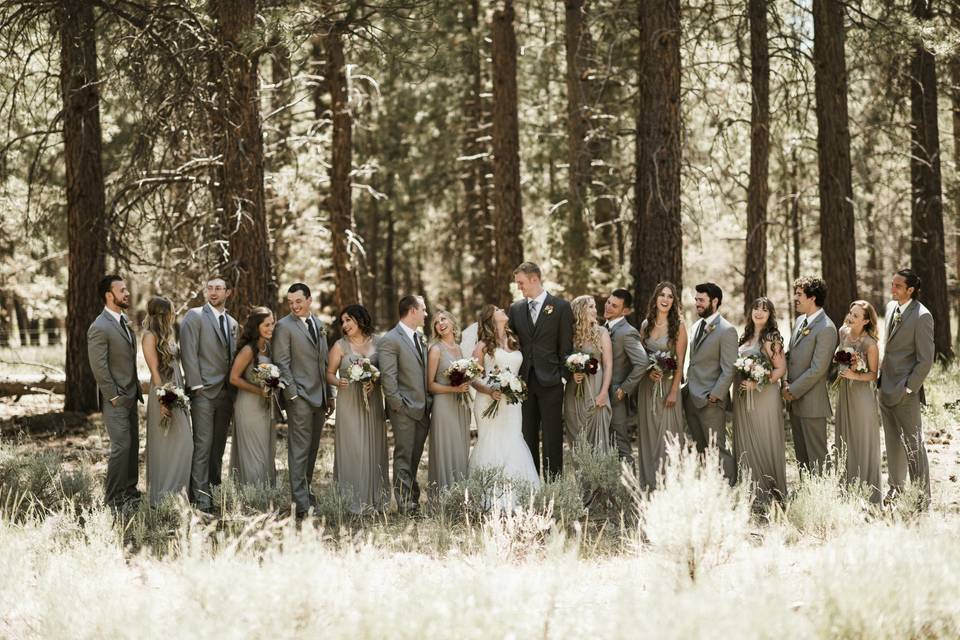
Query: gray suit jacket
630, 363
808, 362
403, 375
206, 359
302, 364
113, 360
908, 354
711, 367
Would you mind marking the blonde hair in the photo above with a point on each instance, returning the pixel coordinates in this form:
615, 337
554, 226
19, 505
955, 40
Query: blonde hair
870, 314
454, 325
585, 328
159, 322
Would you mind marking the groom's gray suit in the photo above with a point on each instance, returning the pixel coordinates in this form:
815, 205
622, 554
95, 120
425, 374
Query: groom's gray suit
710, 372
112, 351
908, 358
207, 353
302, 360
630, 363
808, 361
403, 377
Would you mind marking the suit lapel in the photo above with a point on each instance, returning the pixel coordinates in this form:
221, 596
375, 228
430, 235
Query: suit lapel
407, 341
127, 338
542, 312
706, 333
212, 319
908, 314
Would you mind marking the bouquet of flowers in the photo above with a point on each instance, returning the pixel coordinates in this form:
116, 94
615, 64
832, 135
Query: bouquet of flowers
849, 358
663, 362
582, 363
514, 390
756, 368
461, 372
363, 371
171, 396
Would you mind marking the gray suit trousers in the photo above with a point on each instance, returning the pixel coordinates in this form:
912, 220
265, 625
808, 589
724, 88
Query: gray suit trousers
305, 424
620, 428
903, 435
409, 435
709, 424
810, 442
211, 425
123, 427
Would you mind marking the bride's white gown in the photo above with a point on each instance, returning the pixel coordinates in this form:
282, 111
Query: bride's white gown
500, 442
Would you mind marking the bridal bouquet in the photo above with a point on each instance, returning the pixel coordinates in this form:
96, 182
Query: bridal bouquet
514, 390
582, 363
171, 396
663, 362
849, 358
363, 371
461, 372
754, 367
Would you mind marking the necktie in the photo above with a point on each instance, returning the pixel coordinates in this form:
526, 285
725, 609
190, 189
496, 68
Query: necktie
416, 343
533, 311
313, 330
223, 330
126, 330
803, 325
700, 331
896, 322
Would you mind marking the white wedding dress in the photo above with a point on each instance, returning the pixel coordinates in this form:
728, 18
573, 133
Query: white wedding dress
500, 443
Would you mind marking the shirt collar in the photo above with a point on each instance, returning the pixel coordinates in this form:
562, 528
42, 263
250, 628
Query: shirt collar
612, 323
813, 316
116, 316
540, 298
216, 313
708, 321
303, 319
903, 307
407, 330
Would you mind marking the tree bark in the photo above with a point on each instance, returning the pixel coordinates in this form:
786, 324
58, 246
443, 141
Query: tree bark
86, 200
341, 167
242, 193
576, 237
657, 252
278, 206
927, 247
955, 108
758, 191
837, 240
508, 217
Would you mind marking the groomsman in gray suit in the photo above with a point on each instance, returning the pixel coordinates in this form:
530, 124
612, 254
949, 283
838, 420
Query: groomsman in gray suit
112, 350
706, 394
630, 362
812, 344
208, 341
908, 358
403, 377
300, 352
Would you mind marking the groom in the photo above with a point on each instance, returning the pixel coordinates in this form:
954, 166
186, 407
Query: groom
544, 325
403, 377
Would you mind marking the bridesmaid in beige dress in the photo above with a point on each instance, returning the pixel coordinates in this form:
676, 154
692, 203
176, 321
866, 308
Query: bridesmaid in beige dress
586, 409
253, 452
450, 413
169, 435
360, 431
659, 414
858, 414
759, 444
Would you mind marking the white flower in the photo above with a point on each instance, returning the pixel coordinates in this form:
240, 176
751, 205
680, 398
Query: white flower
355, 372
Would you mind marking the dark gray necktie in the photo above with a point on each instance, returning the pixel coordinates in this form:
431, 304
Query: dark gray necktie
313, 331
126, 330
223, 330
700, 331
416, 343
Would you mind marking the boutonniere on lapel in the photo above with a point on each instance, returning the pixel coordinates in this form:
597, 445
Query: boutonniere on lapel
710, 328
324, 331
805, 332
423, 340
548, 309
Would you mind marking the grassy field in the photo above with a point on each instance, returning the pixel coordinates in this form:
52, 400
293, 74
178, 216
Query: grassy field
691, 560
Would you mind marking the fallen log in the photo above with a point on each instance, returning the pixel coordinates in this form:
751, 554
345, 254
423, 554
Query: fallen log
33, 385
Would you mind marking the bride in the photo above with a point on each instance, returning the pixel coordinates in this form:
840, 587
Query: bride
500, 443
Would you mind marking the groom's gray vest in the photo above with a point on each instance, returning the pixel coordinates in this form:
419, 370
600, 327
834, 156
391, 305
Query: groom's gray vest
908, 353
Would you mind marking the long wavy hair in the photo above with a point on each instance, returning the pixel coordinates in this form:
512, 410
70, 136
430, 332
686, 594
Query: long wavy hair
454, 326
871, 328
251, 328
673, 316
768, 332
487, 332
585, 328
159, 322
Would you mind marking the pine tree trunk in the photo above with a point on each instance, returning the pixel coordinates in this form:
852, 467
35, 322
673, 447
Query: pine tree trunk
86, 201
758, 191
927, 248
955, 108
576, 237
657, 240
837, 239
278, 207
508, 217
341, 167
242, 193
